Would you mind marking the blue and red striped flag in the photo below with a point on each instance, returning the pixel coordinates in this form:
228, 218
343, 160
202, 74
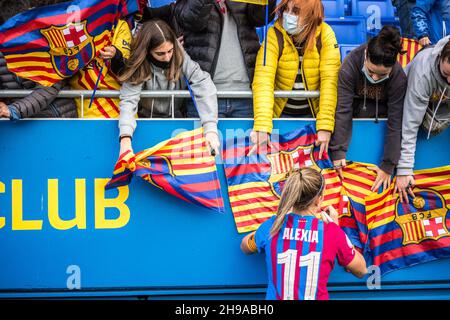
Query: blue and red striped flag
347, 196
357, 181
181, 166
403, 235
48, 44
255, 182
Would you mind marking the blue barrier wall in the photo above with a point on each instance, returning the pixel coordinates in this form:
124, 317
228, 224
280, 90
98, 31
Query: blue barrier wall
162, 247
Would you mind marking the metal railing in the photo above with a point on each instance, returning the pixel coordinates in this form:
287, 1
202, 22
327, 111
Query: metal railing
86, 94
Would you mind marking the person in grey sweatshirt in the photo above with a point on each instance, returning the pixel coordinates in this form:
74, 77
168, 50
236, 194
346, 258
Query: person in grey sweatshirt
428, 88
372, 84
158, 62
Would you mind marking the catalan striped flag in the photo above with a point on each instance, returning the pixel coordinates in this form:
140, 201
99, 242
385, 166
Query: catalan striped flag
255, 182
333, 192
357, 182
181, 166
411, 47
86, 78
347, 197
51, 43
401, 234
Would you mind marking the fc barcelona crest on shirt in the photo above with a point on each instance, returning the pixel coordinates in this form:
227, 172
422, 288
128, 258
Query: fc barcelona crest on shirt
284, 161
423, 218
71, 47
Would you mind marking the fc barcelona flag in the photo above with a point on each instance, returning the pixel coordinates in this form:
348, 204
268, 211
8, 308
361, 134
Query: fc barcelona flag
347, 197
402, 234
51, 43
181, 166
255, 182
335, 195
358, 180
410, 47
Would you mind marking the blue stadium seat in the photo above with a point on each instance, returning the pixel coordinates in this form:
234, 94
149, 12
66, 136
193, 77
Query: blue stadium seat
334, 8
348, 7
366, 8
384, 22
260, 31
377, 14
159, 3
349, 30
345, 49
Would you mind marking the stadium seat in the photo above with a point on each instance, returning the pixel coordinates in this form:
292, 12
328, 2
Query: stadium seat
260, 31
382, 9
334, 8
159, 3
349, 30
345, 49
384, 22
377, 14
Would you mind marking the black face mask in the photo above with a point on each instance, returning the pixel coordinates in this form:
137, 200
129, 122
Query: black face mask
157, 63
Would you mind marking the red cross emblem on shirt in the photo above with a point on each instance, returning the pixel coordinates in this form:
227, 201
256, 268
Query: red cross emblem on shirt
74, 35
434, 227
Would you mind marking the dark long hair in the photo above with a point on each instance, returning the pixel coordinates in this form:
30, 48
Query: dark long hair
152, 34
383, 49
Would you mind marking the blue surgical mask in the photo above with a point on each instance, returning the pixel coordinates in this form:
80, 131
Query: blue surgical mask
290, 24
371, 80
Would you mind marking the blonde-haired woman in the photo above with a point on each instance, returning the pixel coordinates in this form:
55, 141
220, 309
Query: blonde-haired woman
158, 62
301, 242
302, 54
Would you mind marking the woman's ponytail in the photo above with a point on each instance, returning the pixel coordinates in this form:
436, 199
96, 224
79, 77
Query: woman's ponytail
300, 189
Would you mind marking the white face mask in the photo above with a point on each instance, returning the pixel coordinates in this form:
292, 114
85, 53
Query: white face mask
290, 24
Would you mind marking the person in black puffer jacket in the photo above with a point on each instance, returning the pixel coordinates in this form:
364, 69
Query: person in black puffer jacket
42, 102
220, 35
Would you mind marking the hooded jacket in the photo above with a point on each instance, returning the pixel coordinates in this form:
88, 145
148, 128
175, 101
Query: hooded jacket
431, 18
358, 98
202, 87
425, 86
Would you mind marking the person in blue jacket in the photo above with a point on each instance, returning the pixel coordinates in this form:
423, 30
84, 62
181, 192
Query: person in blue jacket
431, 20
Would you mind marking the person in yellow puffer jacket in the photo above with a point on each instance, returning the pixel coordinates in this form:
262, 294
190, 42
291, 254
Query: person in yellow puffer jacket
309, 60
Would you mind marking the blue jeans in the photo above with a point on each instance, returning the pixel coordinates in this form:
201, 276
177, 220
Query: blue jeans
228, 108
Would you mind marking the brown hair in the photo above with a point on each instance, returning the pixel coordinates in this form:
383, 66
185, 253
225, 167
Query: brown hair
311, 16
152, 34
301, 188
445, 54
